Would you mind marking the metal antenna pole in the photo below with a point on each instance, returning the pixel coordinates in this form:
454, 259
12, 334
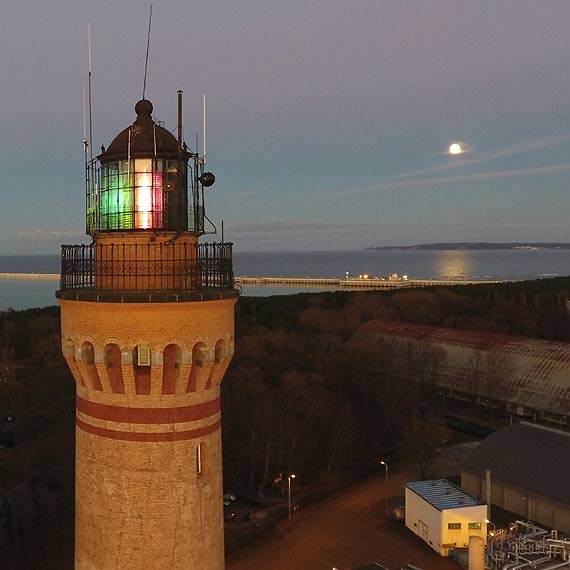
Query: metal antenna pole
90, 104
204, 127
84, 116
147, 48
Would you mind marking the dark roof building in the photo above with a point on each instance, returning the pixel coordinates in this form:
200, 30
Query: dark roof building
527, 456
530, 473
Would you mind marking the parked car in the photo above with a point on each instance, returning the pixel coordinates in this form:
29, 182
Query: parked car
397, 508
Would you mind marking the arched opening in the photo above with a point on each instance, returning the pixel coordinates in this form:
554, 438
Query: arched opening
197, 364
172, 361
88, 358
69, 354
221, 351
114, 368
69, 350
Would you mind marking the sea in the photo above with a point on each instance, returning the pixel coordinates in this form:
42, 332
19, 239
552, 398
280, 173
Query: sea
517, 264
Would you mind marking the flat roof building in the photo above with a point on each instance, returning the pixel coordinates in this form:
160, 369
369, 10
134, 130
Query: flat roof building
444, 515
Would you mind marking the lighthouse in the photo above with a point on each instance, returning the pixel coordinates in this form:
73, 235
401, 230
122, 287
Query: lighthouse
147, 324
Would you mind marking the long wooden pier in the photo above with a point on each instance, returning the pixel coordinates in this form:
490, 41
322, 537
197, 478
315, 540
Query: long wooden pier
29, 275
360, 283
352, 283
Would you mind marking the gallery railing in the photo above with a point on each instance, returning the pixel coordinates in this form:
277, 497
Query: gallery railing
179, 267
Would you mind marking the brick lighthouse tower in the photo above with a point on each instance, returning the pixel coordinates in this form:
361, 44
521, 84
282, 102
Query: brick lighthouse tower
147, 318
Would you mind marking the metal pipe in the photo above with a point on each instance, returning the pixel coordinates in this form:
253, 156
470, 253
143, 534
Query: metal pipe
182, 201
204, 128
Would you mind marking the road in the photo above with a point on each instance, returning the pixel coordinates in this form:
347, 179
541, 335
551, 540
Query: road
348, 530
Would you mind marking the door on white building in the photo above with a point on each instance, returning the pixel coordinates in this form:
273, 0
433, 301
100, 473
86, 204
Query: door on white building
424, 530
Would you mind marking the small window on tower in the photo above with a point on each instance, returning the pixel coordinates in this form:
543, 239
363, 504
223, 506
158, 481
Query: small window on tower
199, 458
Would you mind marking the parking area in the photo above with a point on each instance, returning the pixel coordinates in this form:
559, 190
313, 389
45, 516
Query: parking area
345, 531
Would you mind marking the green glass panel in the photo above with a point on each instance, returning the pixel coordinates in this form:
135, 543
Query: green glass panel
126, 202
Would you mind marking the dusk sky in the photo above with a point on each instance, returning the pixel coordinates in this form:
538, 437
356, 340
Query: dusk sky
328, 121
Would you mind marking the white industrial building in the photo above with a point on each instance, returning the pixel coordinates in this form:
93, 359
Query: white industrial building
443, 515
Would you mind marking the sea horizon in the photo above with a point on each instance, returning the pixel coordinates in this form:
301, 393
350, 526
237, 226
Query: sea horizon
509, 265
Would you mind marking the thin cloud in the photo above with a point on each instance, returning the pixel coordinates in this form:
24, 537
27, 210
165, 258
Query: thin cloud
289, 226
49, 235
478, 177
480, 158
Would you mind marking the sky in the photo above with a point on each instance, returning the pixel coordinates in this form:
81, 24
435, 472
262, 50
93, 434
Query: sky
328, 120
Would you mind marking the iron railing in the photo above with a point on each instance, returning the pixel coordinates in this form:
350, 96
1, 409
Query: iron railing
179, 267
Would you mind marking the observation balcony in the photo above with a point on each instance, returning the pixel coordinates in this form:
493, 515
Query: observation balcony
147, 272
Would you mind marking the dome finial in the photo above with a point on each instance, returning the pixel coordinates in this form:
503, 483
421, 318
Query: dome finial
143, 108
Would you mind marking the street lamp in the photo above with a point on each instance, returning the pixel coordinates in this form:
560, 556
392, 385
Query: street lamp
489, 552
385, 482
292, 476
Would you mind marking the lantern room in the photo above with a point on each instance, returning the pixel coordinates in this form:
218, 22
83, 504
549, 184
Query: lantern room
142, 181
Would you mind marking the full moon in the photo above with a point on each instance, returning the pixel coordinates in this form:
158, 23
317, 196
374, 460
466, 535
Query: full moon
455, 148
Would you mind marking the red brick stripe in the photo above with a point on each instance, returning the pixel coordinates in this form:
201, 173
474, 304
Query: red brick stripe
148, 415
152, 436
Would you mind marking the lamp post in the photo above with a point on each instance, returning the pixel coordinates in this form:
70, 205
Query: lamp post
385, 482
292, 476
489, 551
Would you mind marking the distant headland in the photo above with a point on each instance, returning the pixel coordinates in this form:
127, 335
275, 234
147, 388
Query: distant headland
479, 245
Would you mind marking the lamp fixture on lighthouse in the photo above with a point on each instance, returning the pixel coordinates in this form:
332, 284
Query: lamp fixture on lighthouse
142, 181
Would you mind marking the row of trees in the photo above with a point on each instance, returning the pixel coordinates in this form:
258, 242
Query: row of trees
303, 393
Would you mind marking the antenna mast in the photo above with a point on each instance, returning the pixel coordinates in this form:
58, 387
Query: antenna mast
88, 142
147, 48
90, 102
204, 128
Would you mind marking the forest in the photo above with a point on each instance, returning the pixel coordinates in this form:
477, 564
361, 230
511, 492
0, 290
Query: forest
303, 394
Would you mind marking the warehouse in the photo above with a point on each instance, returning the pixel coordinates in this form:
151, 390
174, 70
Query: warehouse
515, 376
529, 467
443, 515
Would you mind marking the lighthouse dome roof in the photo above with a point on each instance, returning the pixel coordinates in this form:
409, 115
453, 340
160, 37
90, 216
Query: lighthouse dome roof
144, 138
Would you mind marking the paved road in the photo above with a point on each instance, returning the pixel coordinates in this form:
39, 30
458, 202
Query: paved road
345, 531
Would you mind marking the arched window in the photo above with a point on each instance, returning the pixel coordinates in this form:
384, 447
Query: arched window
88, 358
221, 351
172, 360
197, 363
114, 368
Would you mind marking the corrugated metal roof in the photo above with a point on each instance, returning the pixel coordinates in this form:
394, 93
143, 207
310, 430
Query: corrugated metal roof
443, 494
544, 349
533, 373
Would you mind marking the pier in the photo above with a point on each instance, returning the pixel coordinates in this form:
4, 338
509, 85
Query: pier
29, 275
393, 282
361, 282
